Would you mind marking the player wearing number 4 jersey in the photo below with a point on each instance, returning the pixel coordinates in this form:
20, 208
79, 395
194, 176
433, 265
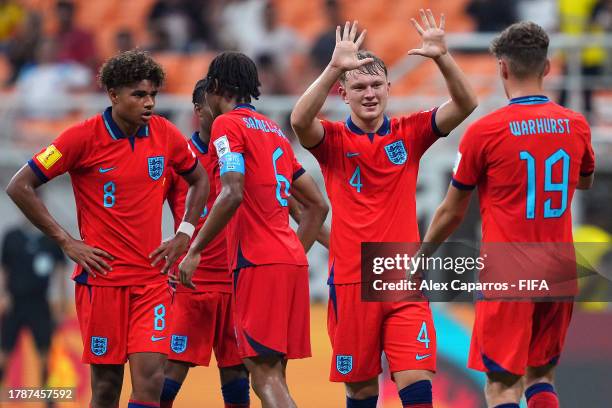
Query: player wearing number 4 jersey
117, 161
257, 173
370, 164
526, 159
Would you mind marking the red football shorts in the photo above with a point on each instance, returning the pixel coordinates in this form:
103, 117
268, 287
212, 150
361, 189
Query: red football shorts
117, 321
272, 311
510, 336
361, 331
201, 322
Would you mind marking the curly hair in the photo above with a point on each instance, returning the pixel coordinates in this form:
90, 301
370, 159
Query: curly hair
197, 97
129, 68
233, 74
525, 46
376, 67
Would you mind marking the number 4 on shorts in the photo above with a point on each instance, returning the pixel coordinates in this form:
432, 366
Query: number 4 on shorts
422, 337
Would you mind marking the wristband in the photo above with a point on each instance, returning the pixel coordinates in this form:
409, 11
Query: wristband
186, 228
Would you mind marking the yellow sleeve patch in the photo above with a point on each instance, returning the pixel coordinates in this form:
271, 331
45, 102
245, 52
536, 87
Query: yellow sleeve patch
49, 157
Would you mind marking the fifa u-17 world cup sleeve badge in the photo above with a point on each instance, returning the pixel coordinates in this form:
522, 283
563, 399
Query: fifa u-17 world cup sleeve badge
49, 157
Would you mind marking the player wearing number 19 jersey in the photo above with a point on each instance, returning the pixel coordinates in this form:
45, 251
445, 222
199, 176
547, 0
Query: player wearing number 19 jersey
526, 160
370, 164
257, 173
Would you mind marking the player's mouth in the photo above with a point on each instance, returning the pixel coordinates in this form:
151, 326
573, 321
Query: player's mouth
146, 115
370, 105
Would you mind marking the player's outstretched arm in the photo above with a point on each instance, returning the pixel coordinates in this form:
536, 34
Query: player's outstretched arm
197, 195
296, 209
313, 209
21, 190
463, 98
304, 115
222, 211
447, 218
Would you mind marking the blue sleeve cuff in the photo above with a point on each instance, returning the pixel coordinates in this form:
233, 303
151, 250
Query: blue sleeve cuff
37, 171
434, 127
462, 186
231, 161
298, 173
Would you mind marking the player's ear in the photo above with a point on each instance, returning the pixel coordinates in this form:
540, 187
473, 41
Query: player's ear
342, 93
546, 68
113, 94
503, 69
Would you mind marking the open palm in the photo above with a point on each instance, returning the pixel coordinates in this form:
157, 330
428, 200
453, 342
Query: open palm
345, 53
434, 42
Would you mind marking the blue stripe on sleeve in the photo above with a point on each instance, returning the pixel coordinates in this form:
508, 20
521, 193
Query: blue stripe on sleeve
37, 171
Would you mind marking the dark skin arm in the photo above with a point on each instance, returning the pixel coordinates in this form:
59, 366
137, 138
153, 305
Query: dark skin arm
586, 182
194, 204
309, 209
224, 208
21, 189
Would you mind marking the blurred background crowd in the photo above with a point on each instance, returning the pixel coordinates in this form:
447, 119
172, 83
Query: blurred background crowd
50, 51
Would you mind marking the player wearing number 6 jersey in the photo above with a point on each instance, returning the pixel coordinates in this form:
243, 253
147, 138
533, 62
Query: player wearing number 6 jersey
370, 164
117, 161
258, 172
526, 159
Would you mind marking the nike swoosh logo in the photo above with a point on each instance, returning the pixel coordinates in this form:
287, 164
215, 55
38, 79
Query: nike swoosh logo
422, 357
352, 154
101, 170
155, 338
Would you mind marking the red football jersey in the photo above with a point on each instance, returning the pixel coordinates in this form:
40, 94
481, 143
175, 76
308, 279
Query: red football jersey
118, 189
259, 233
371, 184
526, 159
212, 269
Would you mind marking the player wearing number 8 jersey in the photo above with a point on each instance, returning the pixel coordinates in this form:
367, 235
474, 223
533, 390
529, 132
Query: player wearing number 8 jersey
258, 172
526, 159
117, 161
370, 164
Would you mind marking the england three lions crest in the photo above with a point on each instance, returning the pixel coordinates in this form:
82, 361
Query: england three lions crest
344, 364
178, 344
156, 167
99, 345
396, 152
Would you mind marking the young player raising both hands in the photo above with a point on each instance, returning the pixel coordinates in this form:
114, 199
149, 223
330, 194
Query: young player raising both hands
370, 165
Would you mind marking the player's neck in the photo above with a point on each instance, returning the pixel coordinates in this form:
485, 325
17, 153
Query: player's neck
518, 89
370, 126
204, 135
127, 128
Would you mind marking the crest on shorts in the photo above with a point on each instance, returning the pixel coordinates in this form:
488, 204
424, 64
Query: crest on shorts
156, 167
396, 152
99, 345
344, 364
178, 343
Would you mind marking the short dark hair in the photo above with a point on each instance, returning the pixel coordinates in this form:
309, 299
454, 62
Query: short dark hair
197, 97
235, 75
129, 68
525, 46
376, 67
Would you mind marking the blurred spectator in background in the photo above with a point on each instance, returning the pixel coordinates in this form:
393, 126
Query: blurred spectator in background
578, 18
29, 260
43, 86
185, 23
241, 25
159, 39
491, 16
323, 46
74, 44
124, 40
12, 16
542, 12
21, 49
278, 42
271, 76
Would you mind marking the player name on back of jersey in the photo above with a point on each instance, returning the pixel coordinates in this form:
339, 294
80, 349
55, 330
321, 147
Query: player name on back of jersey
540, 126
263, 125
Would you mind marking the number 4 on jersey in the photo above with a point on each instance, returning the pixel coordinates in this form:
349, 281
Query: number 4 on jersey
355, 180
